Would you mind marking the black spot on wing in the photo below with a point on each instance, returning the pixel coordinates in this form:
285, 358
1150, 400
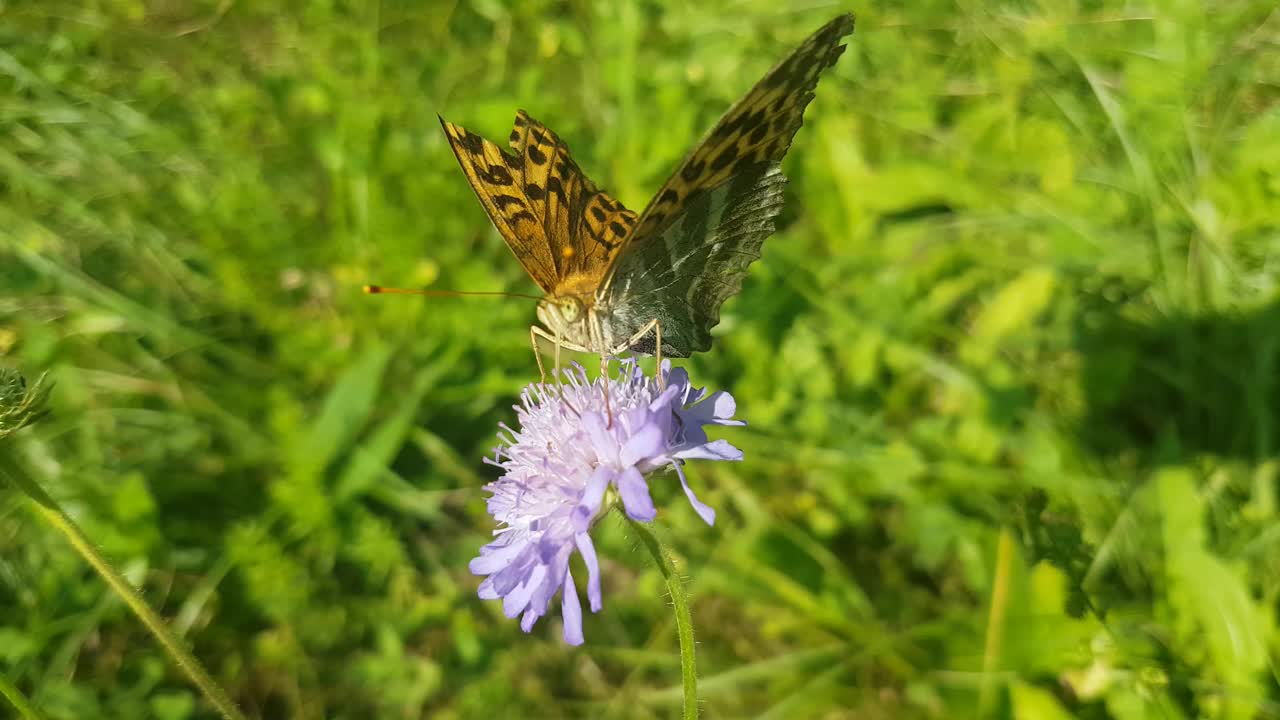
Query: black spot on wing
502, 201
745, 162
728, 127
609, 245
472, 142
555, 187
724, 159
497, 175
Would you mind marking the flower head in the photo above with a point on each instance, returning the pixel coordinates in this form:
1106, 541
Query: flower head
572, 445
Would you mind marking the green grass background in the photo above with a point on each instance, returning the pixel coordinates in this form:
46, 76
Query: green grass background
1010, 365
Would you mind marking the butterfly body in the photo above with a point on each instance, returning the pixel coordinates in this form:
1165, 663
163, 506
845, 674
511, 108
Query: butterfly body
614, 280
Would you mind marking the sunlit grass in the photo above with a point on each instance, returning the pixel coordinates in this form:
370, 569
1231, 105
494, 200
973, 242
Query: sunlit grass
1025, 287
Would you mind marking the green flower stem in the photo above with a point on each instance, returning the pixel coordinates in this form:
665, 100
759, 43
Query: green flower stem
684, 621
182, 657
19, 701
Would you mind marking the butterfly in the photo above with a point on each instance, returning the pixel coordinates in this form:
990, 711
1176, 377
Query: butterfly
651, 283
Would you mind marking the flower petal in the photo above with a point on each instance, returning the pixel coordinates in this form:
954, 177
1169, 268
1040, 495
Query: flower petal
723, 406
679, 378
571, 610
602, 441
714, 450
635, 495
494, 557
589, 505
506, 579
706, 512
665, 400
647, 442
587, 549
518, 599
530, 617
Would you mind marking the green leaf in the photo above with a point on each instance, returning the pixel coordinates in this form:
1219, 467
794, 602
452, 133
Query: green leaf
345, 410
1211, 600
172, 706
1013, 308
1033, 703
371, 457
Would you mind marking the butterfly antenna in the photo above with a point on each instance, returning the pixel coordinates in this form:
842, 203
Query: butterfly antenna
380, 290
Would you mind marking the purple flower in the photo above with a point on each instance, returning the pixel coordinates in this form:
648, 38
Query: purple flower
561, 461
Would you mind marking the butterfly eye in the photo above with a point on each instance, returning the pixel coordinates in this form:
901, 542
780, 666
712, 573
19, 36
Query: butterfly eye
569, 309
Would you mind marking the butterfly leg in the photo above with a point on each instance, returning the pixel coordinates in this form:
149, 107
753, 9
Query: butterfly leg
534, 333
656, 327
556, 340
604, 375
657, 355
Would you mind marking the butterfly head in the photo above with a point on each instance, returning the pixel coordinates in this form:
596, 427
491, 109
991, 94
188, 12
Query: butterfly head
565, 317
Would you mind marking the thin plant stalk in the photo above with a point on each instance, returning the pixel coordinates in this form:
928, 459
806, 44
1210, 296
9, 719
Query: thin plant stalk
684, 620
25, 709
996, 618
182, 657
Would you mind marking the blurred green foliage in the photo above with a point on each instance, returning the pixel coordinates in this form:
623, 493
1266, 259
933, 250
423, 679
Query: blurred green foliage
1010, 365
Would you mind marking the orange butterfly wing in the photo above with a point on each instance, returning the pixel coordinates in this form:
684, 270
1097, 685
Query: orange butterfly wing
562, 228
